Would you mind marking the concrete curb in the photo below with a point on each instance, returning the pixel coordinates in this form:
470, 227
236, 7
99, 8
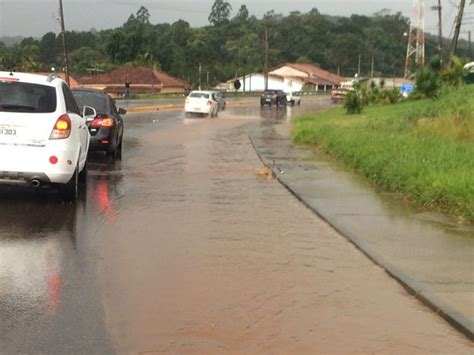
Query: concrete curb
139, 109
457, 320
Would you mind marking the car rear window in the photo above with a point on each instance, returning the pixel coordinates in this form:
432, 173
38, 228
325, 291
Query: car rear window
27, 97
96, 100
199, 95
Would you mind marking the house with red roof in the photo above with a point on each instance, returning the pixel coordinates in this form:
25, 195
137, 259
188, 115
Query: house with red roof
289, 77
139, 80
307, 76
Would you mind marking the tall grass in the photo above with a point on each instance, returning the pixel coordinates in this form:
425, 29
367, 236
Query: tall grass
423, 149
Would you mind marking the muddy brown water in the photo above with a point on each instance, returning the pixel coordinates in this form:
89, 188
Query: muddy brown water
185, 248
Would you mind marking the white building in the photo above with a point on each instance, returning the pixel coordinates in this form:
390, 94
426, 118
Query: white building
256, 83
289, 77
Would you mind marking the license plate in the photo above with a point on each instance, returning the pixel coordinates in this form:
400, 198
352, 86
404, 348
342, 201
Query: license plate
7, 131
197, 108
268, 100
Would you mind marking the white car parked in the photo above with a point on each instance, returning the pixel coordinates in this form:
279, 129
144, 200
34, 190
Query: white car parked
44, 138
201, 102
293, 98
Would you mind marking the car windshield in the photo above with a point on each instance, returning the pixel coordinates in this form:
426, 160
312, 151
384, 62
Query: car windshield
199, 95
94, 99
27, 97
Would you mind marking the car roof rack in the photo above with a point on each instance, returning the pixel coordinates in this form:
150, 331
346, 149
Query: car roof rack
51, 77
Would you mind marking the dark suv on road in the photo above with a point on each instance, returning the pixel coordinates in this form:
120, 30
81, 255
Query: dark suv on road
273, 97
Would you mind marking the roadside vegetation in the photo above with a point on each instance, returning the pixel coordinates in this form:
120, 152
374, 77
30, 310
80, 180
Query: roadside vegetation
421, 148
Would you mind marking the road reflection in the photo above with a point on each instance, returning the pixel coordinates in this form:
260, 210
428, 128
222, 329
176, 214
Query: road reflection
48, 264
35, 237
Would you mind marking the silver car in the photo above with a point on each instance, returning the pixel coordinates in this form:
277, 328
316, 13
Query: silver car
220, 99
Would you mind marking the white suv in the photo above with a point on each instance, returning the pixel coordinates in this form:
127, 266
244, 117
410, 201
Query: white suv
293, 98
44, 138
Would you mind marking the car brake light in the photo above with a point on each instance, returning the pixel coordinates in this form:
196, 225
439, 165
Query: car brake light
9, 79
102, 122
209, 103
62, 128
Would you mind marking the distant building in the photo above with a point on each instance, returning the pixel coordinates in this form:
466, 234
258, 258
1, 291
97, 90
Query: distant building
288, 77
138, 79
255, 83
308, 76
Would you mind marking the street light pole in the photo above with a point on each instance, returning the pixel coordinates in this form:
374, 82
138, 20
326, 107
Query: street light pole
63, 31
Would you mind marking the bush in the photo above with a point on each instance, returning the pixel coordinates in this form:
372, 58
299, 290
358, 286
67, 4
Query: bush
427, 83
353, 103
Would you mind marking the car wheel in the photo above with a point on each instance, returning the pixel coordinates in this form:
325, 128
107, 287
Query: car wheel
112, 154
70, 190
119, 149
299, 102
83, 173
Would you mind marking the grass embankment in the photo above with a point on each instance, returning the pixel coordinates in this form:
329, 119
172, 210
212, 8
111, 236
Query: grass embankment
423, 149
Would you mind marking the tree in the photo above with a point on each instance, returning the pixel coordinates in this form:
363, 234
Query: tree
220, 12
48, 50
243, 14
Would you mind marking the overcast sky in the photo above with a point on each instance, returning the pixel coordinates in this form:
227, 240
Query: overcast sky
36, 17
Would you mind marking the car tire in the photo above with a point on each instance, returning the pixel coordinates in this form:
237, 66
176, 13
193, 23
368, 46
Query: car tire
83, 173
112, 154
299, 102
119, 149
70, 190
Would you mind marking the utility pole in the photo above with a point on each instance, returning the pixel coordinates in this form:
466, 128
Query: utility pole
372, 67
63, 31
200, 70
440, 28
358, 67
457, 31
266, 58
470, 45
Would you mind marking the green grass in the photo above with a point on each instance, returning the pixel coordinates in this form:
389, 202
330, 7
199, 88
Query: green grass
422, 149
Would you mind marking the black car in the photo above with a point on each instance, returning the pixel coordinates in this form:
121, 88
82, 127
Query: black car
273, 97
106, 128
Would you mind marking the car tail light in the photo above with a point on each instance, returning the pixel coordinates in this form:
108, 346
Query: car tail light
102, 122
209, 103
62, 128
9, 79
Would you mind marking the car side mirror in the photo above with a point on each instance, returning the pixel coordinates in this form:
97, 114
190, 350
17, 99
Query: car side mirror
122, 111
89, 113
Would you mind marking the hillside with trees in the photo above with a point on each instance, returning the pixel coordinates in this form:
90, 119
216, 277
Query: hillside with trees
228, 46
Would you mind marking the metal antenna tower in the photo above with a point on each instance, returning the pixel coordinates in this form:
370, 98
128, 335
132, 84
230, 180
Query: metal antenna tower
416, 40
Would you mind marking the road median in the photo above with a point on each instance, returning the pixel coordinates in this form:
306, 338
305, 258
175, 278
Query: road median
153, 108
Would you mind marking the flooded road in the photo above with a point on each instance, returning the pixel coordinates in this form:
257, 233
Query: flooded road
186, 247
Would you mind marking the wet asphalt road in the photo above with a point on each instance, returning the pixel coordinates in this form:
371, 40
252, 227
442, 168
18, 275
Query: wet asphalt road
185, 247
